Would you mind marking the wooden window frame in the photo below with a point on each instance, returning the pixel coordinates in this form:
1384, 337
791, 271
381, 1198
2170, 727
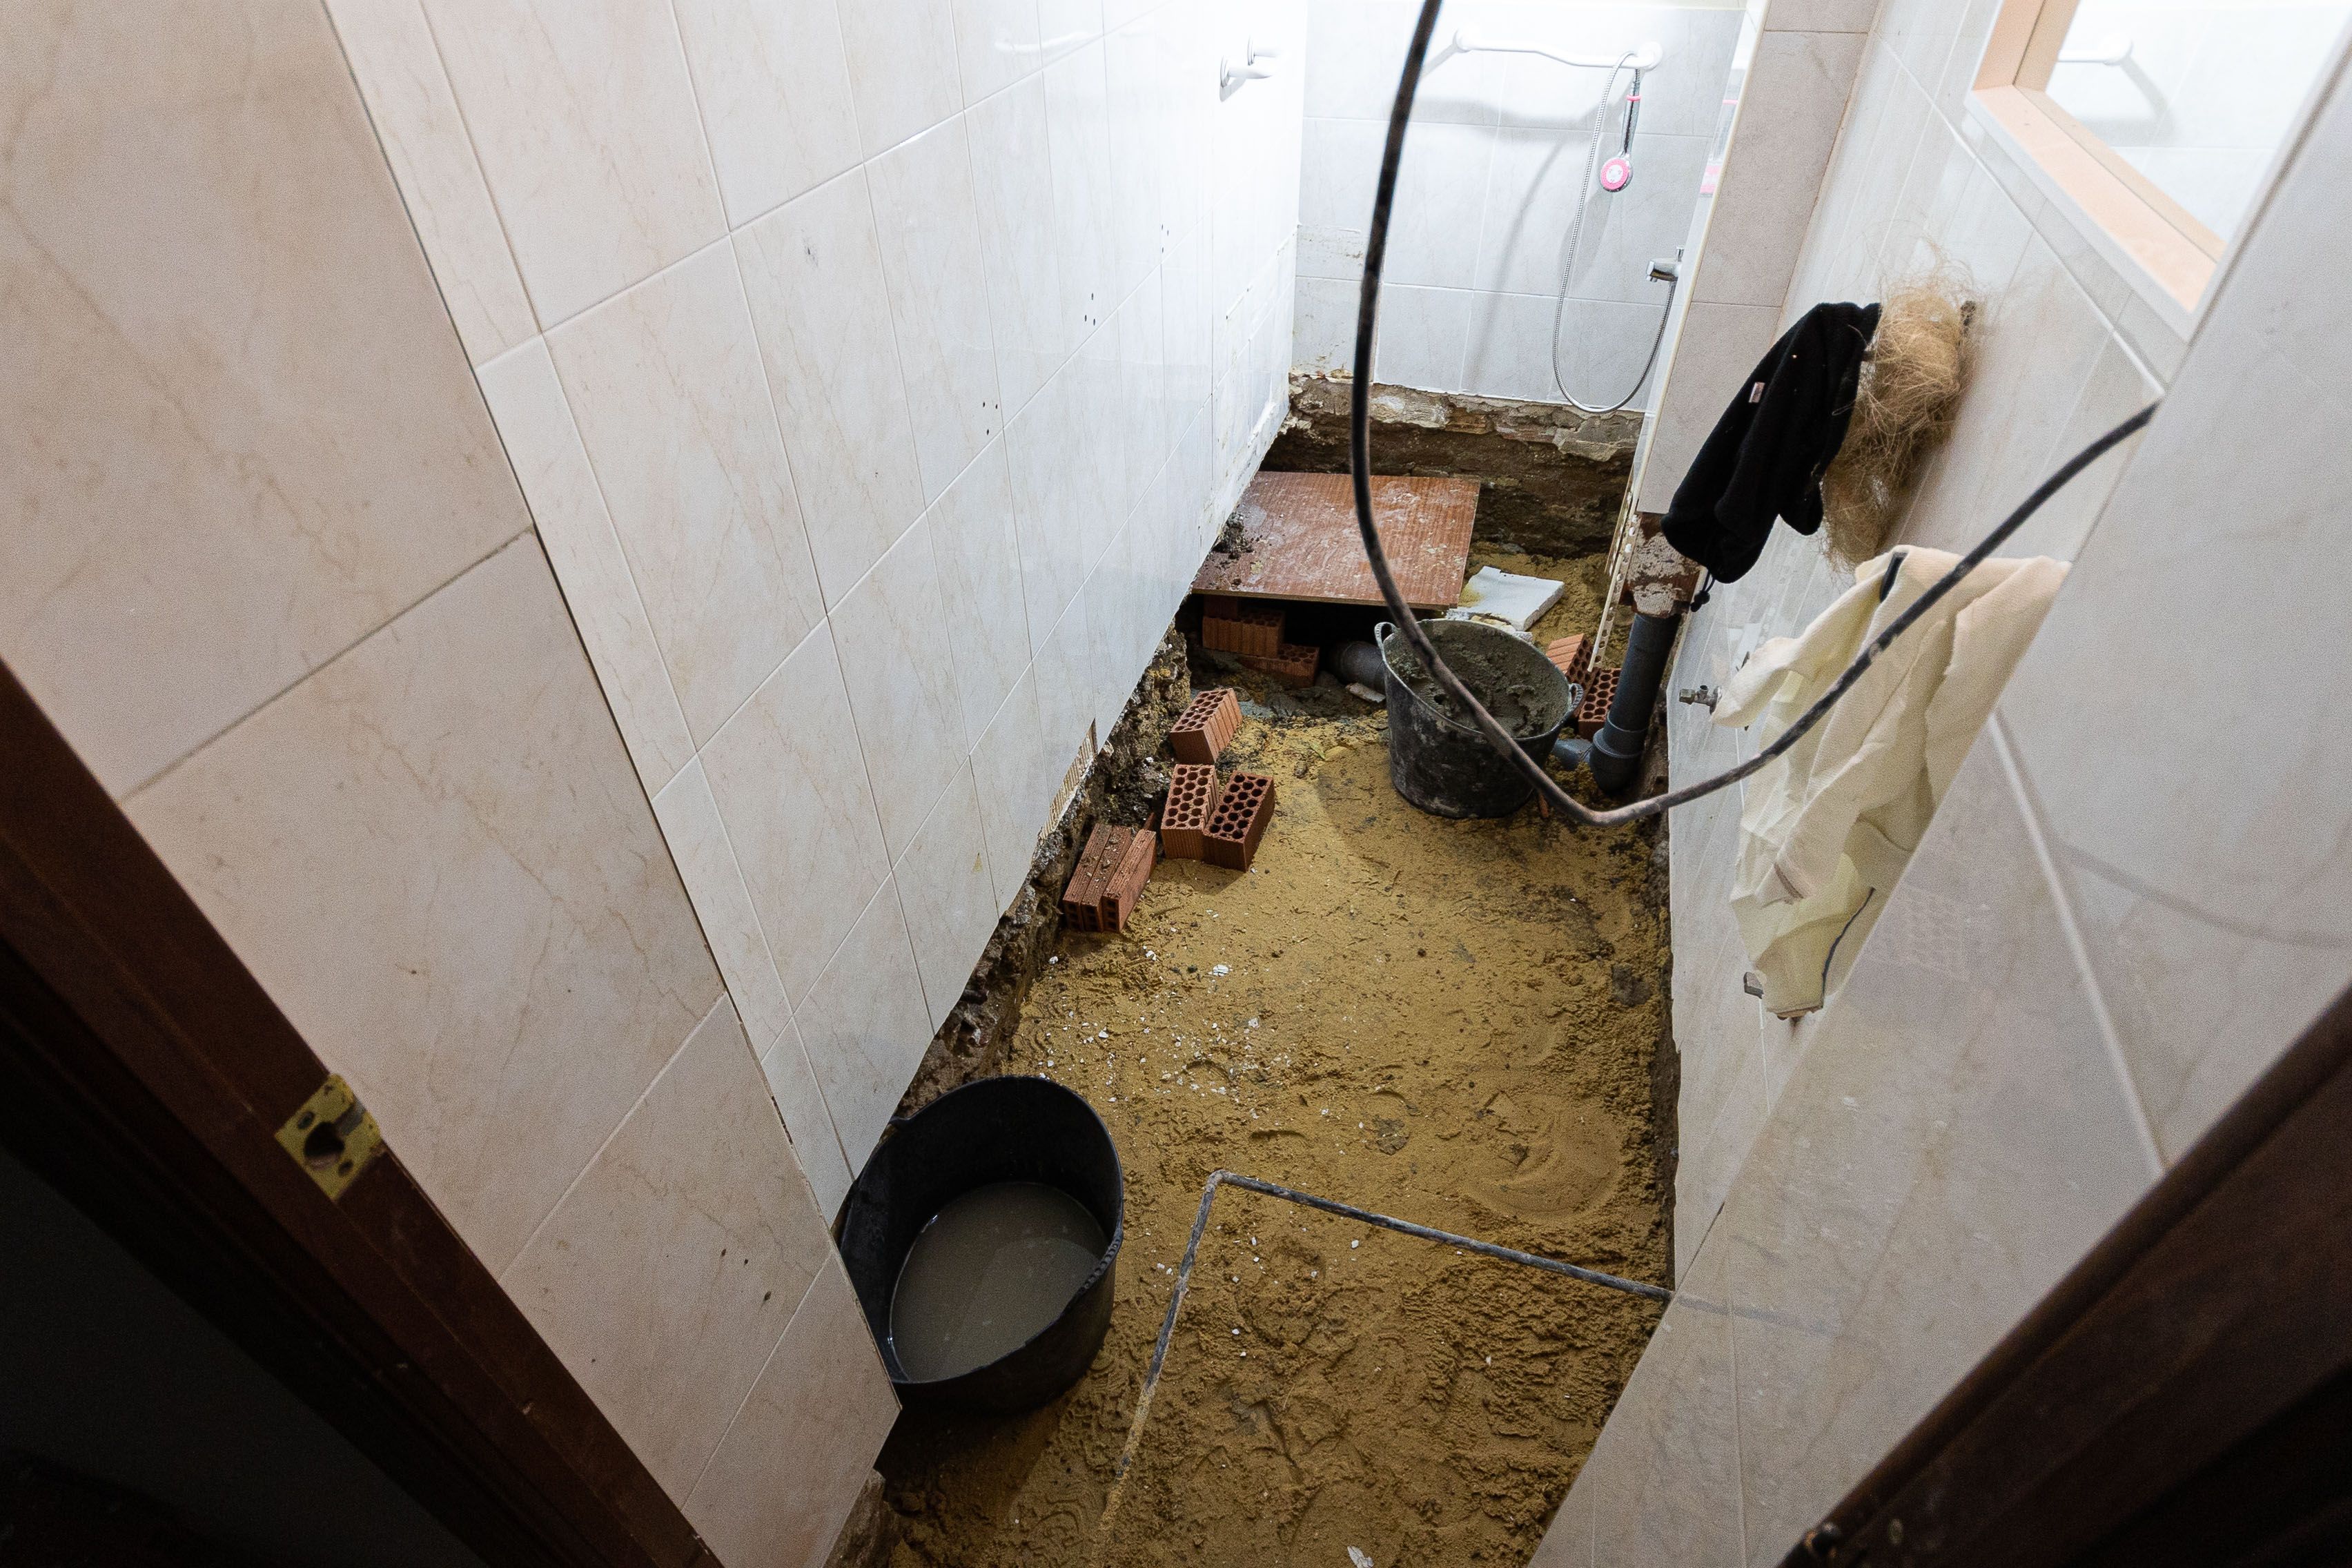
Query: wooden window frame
2174, 251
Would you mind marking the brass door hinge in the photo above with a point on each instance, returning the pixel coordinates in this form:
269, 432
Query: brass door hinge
332, 1137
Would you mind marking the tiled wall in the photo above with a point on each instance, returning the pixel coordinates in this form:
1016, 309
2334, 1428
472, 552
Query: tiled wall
1495, 163
874, 373
2117, 918
605, 667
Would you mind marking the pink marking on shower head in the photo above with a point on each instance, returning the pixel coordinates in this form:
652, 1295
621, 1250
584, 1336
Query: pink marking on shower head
1616, 174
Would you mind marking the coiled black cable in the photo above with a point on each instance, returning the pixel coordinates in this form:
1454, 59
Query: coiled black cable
1359, 455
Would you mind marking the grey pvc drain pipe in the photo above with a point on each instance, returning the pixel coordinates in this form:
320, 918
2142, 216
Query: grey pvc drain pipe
1615, 756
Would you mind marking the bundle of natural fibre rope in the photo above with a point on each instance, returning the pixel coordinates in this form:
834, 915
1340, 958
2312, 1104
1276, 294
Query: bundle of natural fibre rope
1909, 395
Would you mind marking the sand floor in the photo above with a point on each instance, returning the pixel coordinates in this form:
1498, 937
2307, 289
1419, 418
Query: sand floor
1452, 1023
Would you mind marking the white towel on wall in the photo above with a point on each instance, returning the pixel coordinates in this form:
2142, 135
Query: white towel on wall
1829, 828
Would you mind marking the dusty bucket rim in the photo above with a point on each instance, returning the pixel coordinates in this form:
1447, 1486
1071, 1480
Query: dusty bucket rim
1384, 631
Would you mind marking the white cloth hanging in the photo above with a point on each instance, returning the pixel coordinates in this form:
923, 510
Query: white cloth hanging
1829, 827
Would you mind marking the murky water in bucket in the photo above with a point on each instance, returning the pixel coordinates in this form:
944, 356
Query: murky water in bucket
998, 1265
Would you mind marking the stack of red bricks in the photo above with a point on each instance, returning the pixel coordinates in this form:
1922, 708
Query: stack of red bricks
1252, 629
1207, 816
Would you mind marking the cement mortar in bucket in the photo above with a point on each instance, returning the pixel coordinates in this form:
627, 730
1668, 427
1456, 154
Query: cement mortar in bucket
1438, 759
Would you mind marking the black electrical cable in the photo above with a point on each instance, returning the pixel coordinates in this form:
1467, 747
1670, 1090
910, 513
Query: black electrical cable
1359, 454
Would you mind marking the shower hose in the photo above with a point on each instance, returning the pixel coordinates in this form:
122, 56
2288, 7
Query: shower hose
1576, 242
1359, 454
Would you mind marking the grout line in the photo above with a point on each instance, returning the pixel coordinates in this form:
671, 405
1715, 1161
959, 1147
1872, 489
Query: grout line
2029, 808
481, 167
701, 121
736, 1415
723, 1000
336, 656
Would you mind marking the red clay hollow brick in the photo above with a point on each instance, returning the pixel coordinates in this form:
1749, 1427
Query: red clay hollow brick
1239, 822
1600, 690
1255, 627
1571, 654
1220, 607
1206, 726
1192, 790
1125, 884
1082, 899
1295, 665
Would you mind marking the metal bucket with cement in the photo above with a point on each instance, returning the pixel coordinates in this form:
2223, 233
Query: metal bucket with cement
1442, 763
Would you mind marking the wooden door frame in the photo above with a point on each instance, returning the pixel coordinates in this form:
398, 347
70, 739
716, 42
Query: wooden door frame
145, 1074
2184, 1396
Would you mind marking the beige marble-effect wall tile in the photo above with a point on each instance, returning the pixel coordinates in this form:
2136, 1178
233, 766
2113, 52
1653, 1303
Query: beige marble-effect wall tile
1791, 107
975, 537
1957, 1135
930, 226
814, 271
1663, 1483
535, 423
1720, 344
1016, 773
902, 68
866, 1026
1049, 505
665, 383
199, 504
900, 664
801, 1102
1014, 174
697, 842
667, 1274
584, 120
1821, 15
792, 792
435, 855
773, 89
392, 53
781, 1486
1568, 1540
948, 900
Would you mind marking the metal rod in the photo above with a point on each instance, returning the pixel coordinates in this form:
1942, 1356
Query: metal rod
1346, 1211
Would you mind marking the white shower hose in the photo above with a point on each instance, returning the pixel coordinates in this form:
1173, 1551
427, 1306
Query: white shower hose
1576, 242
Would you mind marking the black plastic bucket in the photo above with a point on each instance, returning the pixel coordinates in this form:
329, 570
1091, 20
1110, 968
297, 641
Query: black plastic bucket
1447, 767
989, 1130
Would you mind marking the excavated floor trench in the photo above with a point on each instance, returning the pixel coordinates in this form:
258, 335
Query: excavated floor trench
1461, 1024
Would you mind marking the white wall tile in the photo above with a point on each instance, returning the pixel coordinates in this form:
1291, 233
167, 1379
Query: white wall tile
900, 664
1066, 681
975, 538
902, 68
706, 863
931, 234
792, 792
666, 1276
1424, 336
814, 271
785, 1065
415, 113
436, 841
1013, 173
664, 382
1066, 24
997, 42
584, 119
782, 1485
1048, 477
1016, 772
1077, 123
773, 86
1355, 51
535, 423
947, 893
866, 1025
197, 492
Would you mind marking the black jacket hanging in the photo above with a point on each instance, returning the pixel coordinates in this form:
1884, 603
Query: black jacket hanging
1766, 456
